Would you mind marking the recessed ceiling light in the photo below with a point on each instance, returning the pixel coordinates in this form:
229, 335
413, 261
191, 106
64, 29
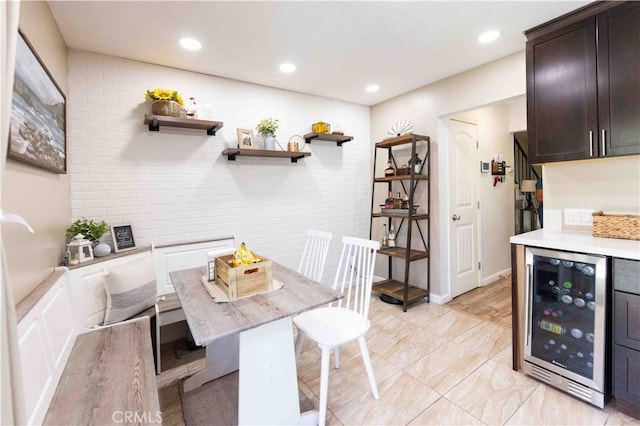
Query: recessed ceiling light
287, 67
372, 88
488, 36
190, 43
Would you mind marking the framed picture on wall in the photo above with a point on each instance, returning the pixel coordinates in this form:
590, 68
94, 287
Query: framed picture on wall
38, 113
245, 139
122, 236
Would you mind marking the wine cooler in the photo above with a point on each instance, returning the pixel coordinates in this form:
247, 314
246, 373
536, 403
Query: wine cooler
565, 320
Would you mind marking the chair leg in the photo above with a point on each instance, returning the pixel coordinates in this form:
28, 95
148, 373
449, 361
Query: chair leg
324, 385
368, 366
336, 356
299, 343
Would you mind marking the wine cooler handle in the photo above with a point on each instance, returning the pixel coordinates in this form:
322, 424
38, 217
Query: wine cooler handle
527, 306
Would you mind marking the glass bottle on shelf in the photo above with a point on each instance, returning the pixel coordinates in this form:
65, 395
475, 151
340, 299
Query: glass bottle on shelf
397, 202
391, 242
385, 236
389, 171
405, 201
388, 204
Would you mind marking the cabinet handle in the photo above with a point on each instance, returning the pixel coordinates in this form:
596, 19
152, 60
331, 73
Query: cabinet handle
591, 143
604, 142
527, 306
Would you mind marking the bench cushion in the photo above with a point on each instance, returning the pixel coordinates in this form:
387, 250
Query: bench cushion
131, 288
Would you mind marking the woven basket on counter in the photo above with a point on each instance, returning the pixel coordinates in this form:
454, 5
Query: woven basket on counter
170, 108
623, 226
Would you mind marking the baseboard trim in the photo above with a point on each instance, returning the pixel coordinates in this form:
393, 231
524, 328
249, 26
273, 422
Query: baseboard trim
495, 277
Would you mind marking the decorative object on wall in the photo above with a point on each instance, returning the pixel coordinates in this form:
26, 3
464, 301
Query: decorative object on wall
267, 128
122, 238
245, 139
320, 127
38, 113
400, 128
165, 102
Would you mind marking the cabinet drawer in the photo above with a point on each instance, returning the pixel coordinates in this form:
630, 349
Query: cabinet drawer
626, 374
626, 275
626, 320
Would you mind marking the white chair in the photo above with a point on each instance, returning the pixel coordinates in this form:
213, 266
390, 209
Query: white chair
314, 255
333, 326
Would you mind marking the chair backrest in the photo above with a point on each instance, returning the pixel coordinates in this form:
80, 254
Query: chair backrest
314, 255
354, 276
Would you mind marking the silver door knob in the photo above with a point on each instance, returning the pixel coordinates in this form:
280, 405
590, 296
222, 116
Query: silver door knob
455, 217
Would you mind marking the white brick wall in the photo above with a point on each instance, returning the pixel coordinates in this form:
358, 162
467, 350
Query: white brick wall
175, 185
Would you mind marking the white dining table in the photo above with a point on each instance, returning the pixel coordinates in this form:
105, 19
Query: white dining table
255, 336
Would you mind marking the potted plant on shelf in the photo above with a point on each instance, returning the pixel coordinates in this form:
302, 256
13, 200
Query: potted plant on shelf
92, 231
165, 102
267, 128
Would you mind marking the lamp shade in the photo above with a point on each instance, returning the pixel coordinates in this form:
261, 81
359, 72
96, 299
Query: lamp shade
528, 186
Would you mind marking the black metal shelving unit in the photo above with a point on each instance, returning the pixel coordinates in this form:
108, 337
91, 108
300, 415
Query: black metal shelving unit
390, 289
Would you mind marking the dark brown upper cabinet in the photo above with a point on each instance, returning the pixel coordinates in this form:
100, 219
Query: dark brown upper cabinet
583, 84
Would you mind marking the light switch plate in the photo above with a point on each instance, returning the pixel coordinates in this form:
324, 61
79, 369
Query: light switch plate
578, 217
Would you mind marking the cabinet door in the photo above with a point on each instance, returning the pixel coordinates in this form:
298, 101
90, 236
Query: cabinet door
626, 375
619, 80
562, 93
626, 317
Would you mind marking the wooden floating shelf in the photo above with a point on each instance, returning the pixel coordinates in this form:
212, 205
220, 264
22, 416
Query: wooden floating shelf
401, 140
395, 289
155, 121
415, 216
232, 153
400, 177
401, 253
331, 137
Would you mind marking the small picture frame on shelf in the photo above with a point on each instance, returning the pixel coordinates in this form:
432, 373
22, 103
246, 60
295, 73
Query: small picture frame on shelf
246, 139
122, 236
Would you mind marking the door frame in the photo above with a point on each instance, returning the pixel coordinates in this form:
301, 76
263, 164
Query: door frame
444, 211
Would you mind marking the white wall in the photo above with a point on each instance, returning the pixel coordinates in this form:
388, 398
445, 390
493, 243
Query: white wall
175, 185
41, 197
496, 81
497, 202
608, 184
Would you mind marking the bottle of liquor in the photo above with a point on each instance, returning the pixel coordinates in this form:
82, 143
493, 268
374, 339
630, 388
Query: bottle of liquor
397, 202
392, 236
385, 236
389, 171
388, 204
405, 201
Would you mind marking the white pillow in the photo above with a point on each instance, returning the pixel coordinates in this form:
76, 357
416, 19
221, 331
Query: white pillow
131, 288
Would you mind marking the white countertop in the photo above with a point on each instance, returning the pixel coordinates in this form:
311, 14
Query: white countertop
579, 241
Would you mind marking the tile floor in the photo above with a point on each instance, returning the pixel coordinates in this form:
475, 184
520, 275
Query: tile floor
433, 365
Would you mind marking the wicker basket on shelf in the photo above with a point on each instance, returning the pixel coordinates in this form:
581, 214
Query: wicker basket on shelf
170, 108
622, 226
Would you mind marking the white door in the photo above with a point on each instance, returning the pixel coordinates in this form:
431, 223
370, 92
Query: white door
463, 206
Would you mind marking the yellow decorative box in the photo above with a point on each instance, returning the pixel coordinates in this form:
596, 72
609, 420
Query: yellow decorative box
320, 127
245, 280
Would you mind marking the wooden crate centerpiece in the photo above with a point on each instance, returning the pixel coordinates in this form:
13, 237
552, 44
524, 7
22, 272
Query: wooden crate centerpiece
244, 280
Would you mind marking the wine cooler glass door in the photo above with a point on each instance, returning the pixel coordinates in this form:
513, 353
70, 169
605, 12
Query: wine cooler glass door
566, 314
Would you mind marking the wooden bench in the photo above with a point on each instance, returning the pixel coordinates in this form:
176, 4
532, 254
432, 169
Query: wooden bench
109, 378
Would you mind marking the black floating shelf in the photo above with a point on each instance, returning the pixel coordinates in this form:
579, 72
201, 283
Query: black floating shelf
232, 153
331, 137
155, 121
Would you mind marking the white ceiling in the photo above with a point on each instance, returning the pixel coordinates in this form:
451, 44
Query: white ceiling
339, 47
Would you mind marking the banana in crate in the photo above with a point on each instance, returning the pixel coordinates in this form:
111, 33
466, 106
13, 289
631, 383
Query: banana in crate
243, 256
243, 273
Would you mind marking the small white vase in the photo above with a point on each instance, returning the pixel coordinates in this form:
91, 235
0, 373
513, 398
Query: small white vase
270, 142
102, 249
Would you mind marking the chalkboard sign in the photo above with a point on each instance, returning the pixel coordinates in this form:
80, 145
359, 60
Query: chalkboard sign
122, 238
